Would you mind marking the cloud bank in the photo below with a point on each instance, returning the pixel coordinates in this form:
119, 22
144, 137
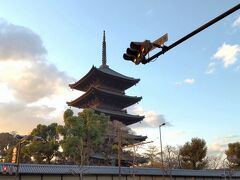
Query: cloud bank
17, 42
29, 83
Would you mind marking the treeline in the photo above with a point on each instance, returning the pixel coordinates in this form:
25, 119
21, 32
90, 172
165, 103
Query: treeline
92, 139
71, 143
193, 155
85, 139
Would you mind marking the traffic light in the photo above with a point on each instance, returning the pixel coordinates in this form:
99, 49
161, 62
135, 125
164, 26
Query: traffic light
137, 51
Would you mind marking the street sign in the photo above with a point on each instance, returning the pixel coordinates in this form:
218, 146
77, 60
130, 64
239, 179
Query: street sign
160, 41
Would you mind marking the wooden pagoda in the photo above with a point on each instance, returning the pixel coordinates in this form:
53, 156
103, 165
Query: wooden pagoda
105, 92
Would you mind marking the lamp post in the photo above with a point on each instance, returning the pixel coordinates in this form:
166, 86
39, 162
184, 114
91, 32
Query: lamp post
160, 134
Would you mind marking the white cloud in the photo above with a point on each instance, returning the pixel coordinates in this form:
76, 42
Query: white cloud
137, 110
189, 81
151, 120
236, 23
227, 54
5, 93
33, 82
211, 68
216, 149
37, 91
220, 144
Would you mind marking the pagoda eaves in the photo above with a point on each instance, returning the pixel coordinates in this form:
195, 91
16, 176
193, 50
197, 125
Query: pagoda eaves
123, 117
99, 97
108, 76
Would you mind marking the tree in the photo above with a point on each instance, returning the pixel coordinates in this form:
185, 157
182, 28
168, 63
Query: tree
7, 142
119, 139
214, 162
43, 151
152, 154
233, 154
171, 157
193, 154
81, 134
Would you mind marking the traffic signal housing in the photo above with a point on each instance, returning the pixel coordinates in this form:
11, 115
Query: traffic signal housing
137, 51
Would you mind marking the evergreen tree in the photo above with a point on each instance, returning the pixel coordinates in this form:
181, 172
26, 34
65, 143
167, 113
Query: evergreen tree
233, 154
7, 143
193, 154
82, 134
43, 151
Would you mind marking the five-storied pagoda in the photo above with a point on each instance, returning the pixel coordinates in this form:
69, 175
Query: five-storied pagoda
105, 93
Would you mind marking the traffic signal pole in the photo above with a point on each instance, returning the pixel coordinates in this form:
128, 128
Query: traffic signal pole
213, 21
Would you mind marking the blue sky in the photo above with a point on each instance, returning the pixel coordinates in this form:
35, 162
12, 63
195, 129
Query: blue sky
194, 87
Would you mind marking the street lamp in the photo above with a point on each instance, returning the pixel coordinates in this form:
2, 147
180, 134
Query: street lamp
160, 134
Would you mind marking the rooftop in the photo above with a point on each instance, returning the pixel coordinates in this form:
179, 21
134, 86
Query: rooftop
104, 170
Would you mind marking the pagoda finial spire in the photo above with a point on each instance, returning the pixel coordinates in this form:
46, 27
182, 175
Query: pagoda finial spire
104, 53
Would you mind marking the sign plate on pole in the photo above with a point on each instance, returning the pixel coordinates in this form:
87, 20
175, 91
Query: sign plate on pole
161, 40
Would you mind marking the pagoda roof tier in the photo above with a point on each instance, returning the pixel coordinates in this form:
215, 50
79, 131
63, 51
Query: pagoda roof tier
131, 138
108, 75
137, 138
104, 96
124, 118
127, 159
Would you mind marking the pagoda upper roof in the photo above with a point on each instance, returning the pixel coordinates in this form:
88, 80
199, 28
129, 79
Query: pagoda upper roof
125, 118
120, 100
104, 72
